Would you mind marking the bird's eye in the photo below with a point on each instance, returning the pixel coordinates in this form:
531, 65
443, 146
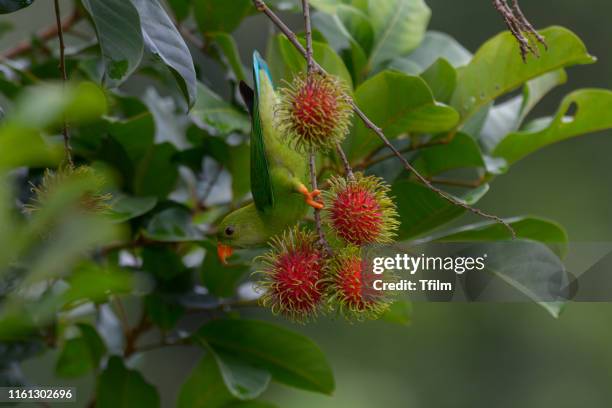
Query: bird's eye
229, 231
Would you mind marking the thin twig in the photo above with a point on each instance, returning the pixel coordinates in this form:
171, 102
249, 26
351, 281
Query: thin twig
62, 68
261, 6
308, 26
345, 162
317, 212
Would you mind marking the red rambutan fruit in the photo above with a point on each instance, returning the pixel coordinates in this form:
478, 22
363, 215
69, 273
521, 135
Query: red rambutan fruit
360, 210
291, 275
314, 112
350, 286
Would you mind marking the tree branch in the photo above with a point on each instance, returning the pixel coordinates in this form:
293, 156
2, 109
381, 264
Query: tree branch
261, 6
62, 68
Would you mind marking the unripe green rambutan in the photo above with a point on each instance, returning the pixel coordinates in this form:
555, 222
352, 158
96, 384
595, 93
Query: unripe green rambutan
360, 210
92, 200
350, 286
314, 112
291, 274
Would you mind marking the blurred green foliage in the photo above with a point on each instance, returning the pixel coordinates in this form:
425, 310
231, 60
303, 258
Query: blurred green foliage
147, 119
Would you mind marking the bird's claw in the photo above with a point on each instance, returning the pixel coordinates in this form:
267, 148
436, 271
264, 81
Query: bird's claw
311, 197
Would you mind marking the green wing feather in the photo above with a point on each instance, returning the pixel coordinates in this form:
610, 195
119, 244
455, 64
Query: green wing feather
261, 183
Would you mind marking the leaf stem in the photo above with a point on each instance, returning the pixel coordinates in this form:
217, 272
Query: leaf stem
261, 6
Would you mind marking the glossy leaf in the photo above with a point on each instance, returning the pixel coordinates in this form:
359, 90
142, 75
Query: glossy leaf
291, 358
496, 68
213, 114
462, 152
508, 116
10, 6
399, 104
229, 49
82, 354
120, 387
435, 45
118, 29
163, 39
286, 62
205, 387
399, 27
173, 225
125, 208
442, 79
528, 228
592, 115
422, 210
243, 380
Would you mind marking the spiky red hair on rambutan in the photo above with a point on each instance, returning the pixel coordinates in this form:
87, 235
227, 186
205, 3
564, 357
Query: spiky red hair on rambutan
314, 112
350, 286
291, 274
360, 211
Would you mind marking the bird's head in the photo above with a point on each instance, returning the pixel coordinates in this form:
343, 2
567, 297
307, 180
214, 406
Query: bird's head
242, 228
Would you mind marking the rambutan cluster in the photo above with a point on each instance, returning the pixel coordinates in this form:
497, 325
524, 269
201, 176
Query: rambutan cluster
300, 279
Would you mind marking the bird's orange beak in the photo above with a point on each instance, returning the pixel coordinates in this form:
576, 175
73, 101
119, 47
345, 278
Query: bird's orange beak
224, 252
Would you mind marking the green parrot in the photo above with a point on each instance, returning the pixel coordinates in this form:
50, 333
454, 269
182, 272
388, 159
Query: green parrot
278, 175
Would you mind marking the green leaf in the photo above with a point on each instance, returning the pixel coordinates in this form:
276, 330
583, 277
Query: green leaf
213, 114
82, 354
119, 33
173, 225
156, 174
400, 312
462, 152
497, 69
286, 62
10, 6
94, 283
21, 146
291, 358
229, 49
47, 105
528, 228
399, 27
205, 387
162, 262
592, 115
220, 279
244, 381
163, 39
422, 210
529, 267
125, 208
399, 104
508, 116
180, 8
163, 312
220, 15
435, 45
119, 387
348, 29
442, 79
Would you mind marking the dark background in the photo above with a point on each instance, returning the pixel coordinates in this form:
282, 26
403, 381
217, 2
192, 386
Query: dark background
460, 355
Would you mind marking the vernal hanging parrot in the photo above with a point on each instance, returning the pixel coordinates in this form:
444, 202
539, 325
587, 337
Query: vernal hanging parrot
278, 175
